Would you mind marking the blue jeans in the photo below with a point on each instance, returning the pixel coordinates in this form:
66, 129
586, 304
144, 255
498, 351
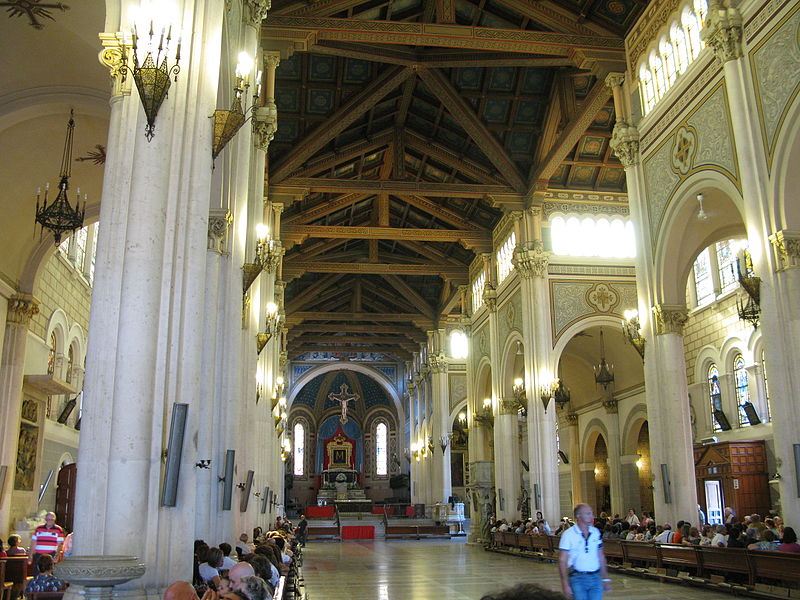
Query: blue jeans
586, 587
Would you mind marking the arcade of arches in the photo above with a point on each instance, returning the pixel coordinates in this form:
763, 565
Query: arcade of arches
512, 254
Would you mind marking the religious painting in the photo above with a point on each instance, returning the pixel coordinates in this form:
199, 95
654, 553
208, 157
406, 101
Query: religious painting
339, 451
30, 410
457, 469
26, 457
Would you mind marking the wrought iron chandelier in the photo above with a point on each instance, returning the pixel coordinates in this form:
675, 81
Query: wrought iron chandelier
603, 373
59, 217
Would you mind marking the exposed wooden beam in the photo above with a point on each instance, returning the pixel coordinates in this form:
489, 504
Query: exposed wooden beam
445, 11
565, 13
552, 19
362, 317
463, 112
411, 294
352, 339
298, 186
452, 301
595, 100
400, 353
323, 209
429, 252
307, 266
316, 248
446, 156
444, 59
343, 154
341, 119
392, 300
322, 9
295, 302
366, 52
384, 233
303, 29
440, 212
409, 332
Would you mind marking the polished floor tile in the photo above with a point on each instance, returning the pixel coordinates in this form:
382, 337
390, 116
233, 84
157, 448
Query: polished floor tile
447, 570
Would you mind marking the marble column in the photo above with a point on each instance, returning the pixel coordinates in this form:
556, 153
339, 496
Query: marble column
614, 453
631, 488
575, 458
531, 261
21, 309
587, 477
145, 353
438, 363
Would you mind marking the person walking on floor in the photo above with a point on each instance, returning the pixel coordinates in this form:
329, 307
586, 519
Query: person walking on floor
582, 562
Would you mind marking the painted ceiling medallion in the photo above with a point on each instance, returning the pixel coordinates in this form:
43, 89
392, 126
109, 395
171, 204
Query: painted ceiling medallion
34, 10
684, 147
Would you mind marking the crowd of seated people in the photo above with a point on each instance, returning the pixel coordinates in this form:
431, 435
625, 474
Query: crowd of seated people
254, 570
751, 532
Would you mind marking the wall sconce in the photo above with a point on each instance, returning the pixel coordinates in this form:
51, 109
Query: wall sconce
751, 311
152, 75
261, 341
462, 420
273, 318
632, 332
546, 394
252, 270
203, 464
485, 416
431, 445
520, 399
228, 122
286, 449
280, 385
561, 393
415, 451
444, 441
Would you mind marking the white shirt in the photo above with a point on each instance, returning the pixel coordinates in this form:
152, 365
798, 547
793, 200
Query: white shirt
719, 539
207, 572
665, 537
227, 563
632, 519
582, 551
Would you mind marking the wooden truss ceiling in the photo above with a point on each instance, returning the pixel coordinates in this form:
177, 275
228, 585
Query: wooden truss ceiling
406, 128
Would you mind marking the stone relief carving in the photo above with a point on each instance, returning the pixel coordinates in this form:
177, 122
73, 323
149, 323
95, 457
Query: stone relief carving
30, 410
26, 457
776, 56
458, 389
670, 319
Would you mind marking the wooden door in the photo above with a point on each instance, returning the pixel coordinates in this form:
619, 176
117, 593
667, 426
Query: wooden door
65, 496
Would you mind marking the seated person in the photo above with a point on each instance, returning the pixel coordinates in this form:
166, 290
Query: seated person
227, 561
45, 581
789, 541
255, 588
767, 542
14, 549
209, 570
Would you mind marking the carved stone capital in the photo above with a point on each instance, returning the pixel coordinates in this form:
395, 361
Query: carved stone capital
787, 248
490, 297
265, 125
255, 11
571, 418
723, 32
112, 56
465, 323
531, 260
277, 208
438, 363
615, 80
21, 309
535, 210
670, 319
272, 60
508, 407
219, 220
283, 360
610, 404
516, 215
625, 144
279, 290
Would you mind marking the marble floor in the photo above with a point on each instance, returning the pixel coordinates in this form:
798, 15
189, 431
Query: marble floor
446, 570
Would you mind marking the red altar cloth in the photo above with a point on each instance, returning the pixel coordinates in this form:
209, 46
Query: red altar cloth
358, 532
320, 512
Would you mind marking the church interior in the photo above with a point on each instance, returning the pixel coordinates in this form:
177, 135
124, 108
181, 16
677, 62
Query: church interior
394, 264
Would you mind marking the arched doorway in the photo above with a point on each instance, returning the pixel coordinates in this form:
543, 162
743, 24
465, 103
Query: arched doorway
602, 481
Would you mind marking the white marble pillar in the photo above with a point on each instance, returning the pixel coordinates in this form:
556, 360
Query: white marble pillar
437, 361
575, 458
21, 309
145, 353
631, 488
615, 480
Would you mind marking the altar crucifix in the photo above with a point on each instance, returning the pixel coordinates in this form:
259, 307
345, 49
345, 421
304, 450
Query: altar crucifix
343, 397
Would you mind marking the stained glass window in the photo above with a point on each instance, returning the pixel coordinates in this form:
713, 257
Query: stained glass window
714, 394
703, 282
381, 448
742, 393
726, 259
299, 449
504, 256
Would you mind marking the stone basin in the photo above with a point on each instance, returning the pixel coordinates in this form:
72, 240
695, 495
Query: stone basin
99, 571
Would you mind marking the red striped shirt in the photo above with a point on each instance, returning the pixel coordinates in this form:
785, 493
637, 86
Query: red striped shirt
46, 540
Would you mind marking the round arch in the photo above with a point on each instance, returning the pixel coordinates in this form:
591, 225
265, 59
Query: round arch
577, 327
483, 379
377, 376
707, 356
594, 429
633, 425
59, 326
509, 357
785, 214
682, 236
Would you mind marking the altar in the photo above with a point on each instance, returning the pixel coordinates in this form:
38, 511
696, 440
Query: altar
340, 486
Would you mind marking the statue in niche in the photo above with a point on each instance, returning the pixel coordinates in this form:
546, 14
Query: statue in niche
30, 410
26, 457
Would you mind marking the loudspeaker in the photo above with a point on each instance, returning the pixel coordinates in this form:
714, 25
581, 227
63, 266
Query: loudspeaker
796, 448
722, 420
563, 457
752, 414
177, 429
264, 500
248, 486
43, 487
3, 472
501, 499
666, 483
68, 408
537, 496
227, 479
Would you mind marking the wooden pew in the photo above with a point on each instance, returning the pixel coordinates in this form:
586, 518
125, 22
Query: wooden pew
678, 556
780, 566
641, 552
44, 595
400, 531
16, 573
430, 531
317, 532
722, 561
613, 550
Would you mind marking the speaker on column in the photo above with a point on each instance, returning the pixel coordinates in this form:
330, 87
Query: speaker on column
264, 500
666, 483
248, 486
724, 424
752, 413
227, 479
537, 496
177, 429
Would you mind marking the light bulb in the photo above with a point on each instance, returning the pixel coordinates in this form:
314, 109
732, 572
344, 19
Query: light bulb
279, 380
262, 231
518, 382
272, 308
245, 65
487, 402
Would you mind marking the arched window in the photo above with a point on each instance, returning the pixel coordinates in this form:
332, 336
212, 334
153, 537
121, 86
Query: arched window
668, 55
51, 356
646, 87
703, 281
589, 236
504, 256
766, 385
81, 239
714, 395
381, 449
299, 449
657, 67
691, 25
726, 259
701, 10
477, 291
459, 344
70, 363
678, 38
742, 393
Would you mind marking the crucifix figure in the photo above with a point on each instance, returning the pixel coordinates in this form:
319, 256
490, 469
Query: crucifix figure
343, 397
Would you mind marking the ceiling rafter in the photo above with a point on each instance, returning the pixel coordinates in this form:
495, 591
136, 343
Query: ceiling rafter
302, 232
447, 94
295, 187
404, 288
312, 290
298, 350
409, 332
324, 209
341, 119
345, 153
445, 155
440, 212
452, 272
429, 252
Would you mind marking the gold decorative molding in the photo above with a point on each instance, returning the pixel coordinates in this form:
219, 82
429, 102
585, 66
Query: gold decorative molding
723, 32
112, 56
21, 309
787, 248
670, 319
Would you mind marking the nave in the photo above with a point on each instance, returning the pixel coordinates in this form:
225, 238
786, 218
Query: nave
446, 570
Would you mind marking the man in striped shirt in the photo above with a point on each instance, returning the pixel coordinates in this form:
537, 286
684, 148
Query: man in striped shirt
46, 539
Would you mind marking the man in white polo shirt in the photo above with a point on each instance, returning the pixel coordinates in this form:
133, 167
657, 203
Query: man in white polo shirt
582, 562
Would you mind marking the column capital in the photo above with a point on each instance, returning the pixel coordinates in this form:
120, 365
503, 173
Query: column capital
277, 208
272, 59
610, 404
490, 296
571, 418
615, 79
219, 220
508, 407
271, 260
255, 11
516, 215
535, 210
722, 31
265, 124
112, 56
625, 143
438, 363
531, 260
670, 319
21, 309
787, 248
